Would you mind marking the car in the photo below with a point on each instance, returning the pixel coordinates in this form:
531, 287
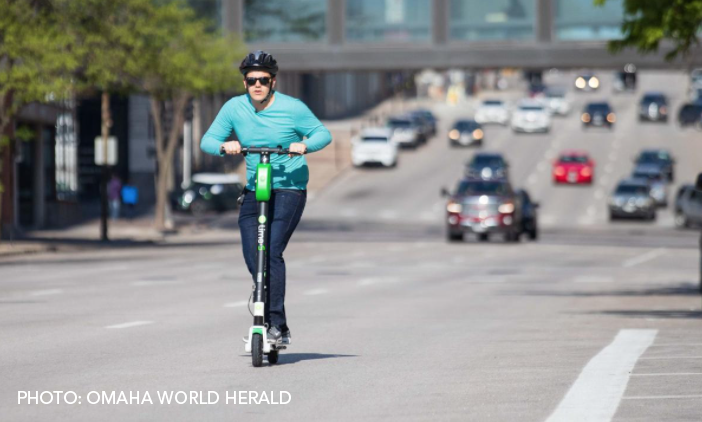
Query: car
487, 165
654, 176
208, 192
537, 90
531, 116
625, 80
573, 167
429, 117
598, 114
688, 207
492, 111
660, 158
466, 133
556, 102
696, 78
653, 107
374, 146
404, 132
690, 114
587, 82
422, 124
483, 207
632, 198
530, 223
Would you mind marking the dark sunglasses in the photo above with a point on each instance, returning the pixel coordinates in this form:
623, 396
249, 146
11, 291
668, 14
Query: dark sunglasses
265, 80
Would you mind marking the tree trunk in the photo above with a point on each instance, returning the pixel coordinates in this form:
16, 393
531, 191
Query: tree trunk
165, 155
106, 123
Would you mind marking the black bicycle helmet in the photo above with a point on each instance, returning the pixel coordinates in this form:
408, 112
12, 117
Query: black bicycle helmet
259, 60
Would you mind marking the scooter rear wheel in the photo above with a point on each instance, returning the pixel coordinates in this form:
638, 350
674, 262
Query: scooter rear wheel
257, 350
273, 357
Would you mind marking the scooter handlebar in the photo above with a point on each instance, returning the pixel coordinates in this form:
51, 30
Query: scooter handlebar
267, 150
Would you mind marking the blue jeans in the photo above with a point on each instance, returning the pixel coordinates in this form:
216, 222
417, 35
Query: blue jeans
284, 213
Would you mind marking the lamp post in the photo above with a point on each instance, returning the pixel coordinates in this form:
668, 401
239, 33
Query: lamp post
698, 186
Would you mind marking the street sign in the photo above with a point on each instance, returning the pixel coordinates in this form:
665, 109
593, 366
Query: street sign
111, 151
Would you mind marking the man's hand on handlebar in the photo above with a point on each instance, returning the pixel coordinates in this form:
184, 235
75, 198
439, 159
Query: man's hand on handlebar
231, 148
297, 148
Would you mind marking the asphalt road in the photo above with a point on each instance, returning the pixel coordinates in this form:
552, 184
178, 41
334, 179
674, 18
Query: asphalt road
596, 321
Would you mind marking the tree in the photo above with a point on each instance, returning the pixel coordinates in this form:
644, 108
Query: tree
181, 59
648, 23
35, 65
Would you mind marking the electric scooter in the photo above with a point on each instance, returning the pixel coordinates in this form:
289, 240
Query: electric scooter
257, 343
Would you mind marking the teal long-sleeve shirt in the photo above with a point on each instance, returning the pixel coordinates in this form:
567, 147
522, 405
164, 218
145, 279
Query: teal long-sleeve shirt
285, 121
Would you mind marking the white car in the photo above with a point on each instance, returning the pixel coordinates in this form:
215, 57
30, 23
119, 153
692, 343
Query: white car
403, 132
556, 101
531, 116
492, 111
374, 145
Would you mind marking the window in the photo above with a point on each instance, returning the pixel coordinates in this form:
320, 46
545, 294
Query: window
388, 20
66, 155
582, 20
285, 20
480, 20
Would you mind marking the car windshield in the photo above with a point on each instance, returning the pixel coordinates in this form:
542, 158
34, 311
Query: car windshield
573, 159
652, 98
653, 157
396, 123
531, 108
631, 190
375, 139
465, 126
492, 103
598, 107
482, 188
646, 175
487, 161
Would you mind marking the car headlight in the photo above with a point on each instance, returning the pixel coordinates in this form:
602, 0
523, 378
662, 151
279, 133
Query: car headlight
478, 134
188, 196
580, 82
454, 207
611, 118
585, 118
454, 134
506, 208
594, 82
643, 202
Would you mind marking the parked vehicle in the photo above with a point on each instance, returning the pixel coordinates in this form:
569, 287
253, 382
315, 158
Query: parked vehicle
632, 198
531, 116
483, 207
653, 107
574, 167
208, 192
598, 114
404, 132
487, 165
688, 207
374, 146
466, 133
492, 111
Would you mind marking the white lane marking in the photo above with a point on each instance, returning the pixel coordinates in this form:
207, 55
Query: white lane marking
586, 220
236, 304
613, 156
428, 216
532, 179
145, 283
609, 168
361, 264
438, 206
348, 213
388, 215
596, 393
604, 180
318, 259
377, 280
47, 292
542, 166
648, 256
593, 279
130, 324
672, 374
662, 397
315, 292
591, 210
599, 194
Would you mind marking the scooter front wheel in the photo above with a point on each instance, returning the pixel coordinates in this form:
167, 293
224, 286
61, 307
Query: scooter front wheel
273, 357
257, 350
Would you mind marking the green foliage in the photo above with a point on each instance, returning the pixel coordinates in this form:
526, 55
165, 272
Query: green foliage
649, 22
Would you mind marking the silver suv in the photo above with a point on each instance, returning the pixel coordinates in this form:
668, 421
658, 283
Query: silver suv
688, 207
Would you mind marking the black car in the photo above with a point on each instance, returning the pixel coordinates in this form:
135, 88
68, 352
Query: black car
659, 158
530, 223
208, 192
428, 117
653, 107
598, 115
422, 126
465, 133
690, 115
483, 207
632, 198
487, 165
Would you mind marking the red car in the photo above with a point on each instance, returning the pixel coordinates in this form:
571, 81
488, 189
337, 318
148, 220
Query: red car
573, 167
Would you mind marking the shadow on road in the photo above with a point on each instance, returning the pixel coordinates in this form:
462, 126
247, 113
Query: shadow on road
654, 313
289, 358
681, 289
